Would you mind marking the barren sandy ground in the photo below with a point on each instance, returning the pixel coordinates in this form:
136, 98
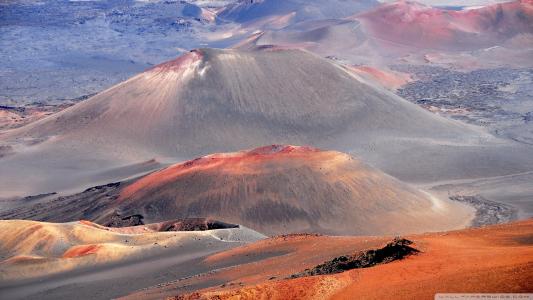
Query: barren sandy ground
490, 259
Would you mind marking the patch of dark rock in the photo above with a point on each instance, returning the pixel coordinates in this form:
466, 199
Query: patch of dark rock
83, 97
192, 224
525, 240
127, 221
19, 109
188, 224
286, 237
40, 196
304, 234
476, 97
487, 212
398, 249
100, 187
528, 117
5, 150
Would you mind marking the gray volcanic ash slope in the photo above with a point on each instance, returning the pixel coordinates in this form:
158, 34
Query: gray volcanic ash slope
211, 101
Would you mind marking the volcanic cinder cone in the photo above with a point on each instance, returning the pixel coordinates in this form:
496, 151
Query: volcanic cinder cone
273, 189
284, 189
210, 101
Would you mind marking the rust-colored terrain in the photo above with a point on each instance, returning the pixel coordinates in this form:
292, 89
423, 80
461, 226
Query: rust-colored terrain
411, 24
491, 259
389, 79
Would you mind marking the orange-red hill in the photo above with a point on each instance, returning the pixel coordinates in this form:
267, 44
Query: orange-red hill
283, 189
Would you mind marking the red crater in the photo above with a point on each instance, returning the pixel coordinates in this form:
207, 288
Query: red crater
413, 24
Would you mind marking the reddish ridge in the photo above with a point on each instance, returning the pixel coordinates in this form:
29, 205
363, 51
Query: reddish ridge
179, 63
82, 250
212, 161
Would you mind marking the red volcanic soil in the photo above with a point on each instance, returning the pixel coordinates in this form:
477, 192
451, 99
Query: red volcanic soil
389, 79
492, 259
81, 250
412, 24
236, 162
